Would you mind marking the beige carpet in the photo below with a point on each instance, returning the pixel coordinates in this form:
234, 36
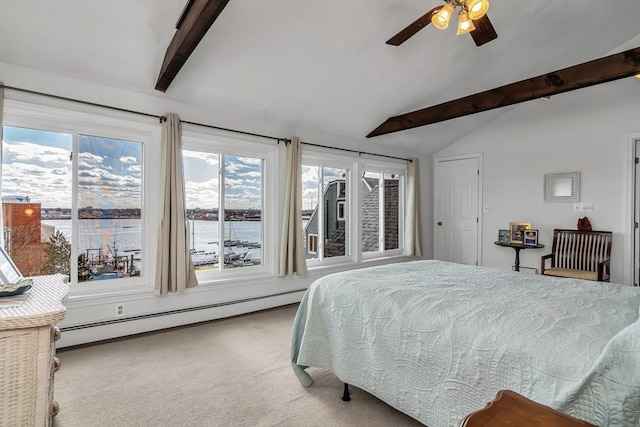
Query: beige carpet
231, 372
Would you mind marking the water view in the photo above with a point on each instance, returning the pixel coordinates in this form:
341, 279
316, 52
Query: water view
120, 238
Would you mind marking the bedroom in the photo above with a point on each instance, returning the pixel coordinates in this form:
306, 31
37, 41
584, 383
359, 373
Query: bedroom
590, 130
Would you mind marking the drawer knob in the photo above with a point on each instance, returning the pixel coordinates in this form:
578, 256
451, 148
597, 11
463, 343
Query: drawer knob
55, 408
55, 333
56, 364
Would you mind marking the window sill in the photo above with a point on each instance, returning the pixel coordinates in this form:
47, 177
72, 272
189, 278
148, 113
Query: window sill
352, 265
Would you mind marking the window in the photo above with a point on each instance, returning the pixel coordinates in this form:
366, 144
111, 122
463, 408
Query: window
345, 213
225, 204
36, 199
72, 200
109, 208
325, 218
313, 243
340, 211
380, 211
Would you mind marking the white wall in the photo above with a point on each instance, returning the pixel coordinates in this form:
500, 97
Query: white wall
220, 300
585, 130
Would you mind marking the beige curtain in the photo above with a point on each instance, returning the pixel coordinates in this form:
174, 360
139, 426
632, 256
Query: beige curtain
1, 136
175, 272
292, 259
412, 239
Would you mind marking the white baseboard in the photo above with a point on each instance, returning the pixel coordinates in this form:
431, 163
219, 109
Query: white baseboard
86, 334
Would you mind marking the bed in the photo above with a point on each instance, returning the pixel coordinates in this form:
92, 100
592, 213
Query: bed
438, 340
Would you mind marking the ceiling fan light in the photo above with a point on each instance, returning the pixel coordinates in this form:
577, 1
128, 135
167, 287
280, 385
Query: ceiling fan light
477, 8
465, 24
441, 19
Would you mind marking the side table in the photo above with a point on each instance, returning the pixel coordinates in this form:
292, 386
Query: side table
517, 247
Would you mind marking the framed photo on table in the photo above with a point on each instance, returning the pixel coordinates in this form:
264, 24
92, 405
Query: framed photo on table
516, 231
503, 236
530, 237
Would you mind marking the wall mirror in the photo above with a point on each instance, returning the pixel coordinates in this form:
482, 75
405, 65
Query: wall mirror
562, 187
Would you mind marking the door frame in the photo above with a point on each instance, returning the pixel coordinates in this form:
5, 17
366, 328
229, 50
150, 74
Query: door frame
439, 159
632, 243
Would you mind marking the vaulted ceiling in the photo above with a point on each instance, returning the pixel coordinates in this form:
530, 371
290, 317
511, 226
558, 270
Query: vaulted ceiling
316, 64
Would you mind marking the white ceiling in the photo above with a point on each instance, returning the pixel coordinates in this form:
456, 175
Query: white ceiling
316, 64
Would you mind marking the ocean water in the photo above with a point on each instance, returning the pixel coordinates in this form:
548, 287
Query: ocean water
125, 235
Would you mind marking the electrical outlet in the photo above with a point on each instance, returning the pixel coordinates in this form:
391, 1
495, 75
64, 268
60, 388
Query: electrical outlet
587, 207
119, 310
577, 207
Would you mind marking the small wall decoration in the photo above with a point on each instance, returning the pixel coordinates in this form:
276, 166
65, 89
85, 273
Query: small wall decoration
503, 236
584, 224
530, 237
516, 231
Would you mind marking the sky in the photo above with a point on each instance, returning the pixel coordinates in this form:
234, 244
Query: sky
243, 181
310, 178
37, 164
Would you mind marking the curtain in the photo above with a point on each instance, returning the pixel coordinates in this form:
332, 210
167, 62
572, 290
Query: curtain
175, 272
412, 239
292, 259
1, 136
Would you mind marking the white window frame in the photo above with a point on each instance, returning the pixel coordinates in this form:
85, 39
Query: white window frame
326, 160
353, 204
313, 237
383, 168
220, 143
67, 120
341, 209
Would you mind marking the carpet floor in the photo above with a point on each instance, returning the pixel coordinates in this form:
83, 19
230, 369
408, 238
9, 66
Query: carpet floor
229, 372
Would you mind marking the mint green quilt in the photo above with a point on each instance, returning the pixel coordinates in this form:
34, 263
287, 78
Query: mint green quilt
438, 340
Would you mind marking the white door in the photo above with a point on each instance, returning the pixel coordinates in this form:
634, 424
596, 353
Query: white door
456, 210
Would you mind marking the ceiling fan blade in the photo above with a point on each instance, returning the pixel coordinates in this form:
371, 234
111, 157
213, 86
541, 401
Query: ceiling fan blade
413, 28
484, 31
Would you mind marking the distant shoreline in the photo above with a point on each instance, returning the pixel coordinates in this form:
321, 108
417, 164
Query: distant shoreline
192, 214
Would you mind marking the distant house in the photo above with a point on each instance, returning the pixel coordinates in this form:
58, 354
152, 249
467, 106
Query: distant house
333, 198
335, 214
24, 236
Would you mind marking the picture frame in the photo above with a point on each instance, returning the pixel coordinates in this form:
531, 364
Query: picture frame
516, 232
503, 236
531, 237
9, 273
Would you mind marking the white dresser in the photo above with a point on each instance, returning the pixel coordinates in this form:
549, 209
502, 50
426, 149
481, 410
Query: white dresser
27, 354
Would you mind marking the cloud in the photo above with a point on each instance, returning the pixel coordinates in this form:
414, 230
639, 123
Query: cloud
128, 160
43, 173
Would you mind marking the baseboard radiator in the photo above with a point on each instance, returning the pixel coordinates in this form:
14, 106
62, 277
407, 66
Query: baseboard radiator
174, 312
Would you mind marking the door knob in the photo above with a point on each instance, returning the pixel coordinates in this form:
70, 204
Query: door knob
439, 222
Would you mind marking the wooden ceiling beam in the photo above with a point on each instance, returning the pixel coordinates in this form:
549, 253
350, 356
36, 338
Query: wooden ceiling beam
609, 68
196, 19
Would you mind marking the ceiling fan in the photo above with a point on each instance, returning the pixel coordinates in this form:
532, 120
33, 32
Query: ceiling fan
472, 19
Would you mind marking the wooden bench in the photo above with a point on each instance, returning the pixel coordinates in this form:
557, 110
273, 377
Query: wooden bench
579, 254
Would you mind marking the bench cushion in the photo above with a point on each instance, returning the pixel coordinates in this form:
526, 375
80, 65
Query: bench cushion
576, 274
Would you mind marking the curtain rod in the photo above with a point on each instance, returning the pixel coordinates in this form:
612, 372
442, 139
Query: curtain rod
161, 118
353, 151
